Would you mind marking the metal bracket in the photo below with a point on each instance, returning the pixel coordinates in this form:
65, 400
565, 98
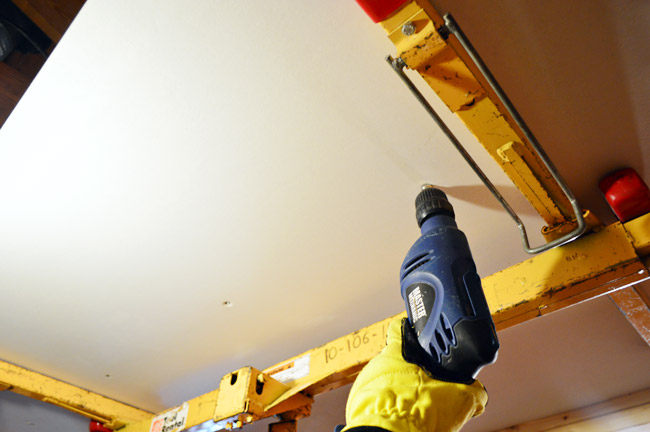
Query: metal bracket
452, 28
289, 420
247, 395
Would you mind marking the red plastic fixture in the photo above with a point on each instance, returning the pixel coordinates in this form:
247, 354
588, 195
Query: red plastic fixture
96, 426
626, 193
379, 10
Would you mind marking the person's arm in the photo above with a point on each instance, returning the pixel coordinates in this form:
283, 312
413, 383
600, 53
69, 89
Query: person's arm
395, 395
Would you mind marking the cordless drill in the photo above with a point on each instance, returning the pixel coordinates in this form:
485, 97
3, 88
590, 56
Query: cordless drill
443, 294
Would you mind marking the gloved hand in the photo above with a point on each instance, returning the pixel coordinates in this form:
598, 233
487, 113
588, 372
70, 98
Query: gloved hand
398, 396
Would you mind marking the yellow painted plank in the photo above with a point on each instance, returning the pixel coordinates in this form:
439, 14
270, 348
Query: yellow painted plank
515, 159
588, 267
335, 363
591, 266
201, 410
92, 405
315, 371
444, 66
639, 230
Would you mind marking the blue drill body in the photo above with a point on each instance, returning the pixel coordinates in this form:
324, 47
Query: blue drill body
443, 294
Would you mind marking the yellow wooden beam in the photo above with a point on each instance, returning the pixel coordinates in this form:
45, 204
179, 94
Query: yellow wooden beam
628, 411
247, 395
110, 412
639, 230
447, 69
593, 265
315, 371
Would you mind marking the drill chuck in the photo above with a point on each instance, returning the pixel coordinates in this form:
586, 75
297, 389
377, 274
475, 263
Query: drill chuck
430, 202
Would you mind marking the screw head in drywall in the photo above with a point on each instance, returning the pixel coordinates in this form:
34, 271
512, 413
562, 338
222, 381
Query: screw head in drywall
408, 28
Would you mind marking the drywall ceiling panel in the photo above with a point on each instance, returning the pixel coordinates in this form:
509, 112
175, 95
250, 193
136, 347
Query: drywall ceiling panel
171, 157
190, 156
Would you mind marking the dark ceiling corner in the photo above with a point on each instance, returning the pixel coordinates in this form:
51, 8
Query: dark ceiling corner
29, 31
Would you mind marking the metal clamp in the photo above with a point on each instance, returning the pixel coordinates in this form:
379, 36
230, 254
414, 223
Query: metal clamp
451, 27
247, 395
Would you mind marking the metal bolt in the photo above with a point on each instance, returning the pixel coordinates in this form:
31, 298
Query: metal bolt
239, 424
249, 419
408, 28
228, 426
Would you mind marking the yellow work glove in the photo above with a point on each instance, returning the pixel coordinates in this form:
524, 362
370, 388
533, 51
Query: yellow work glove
393, 394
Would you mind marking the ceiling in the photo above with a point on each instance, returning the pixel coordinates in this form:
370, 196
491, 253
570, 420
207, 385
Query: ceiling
170, 158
